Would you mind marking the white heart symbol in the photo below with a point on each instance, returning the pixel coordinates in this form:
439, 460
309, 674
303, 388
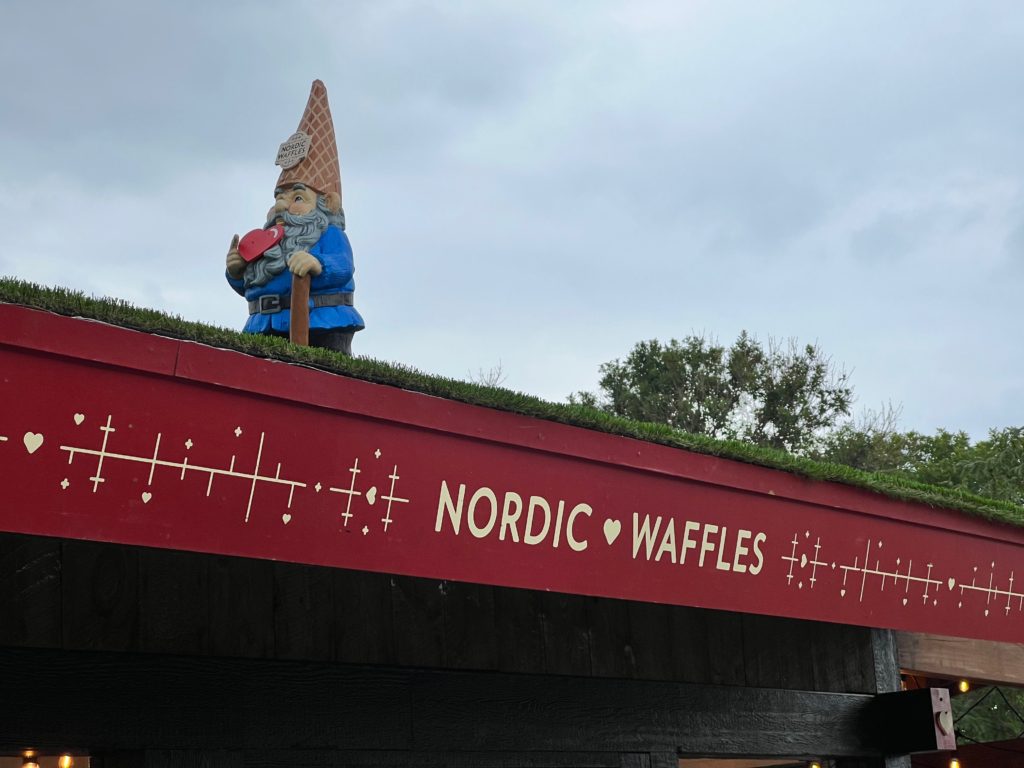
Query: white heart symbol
946, 722
612, 529
371, 495
904, 601
286, 518
79, 418
951, 583
32, 441
842, 593
146, 496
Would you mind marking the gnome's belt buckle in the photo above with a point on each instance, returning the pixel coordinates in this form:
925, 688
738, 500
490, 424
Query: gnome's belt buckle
270, 304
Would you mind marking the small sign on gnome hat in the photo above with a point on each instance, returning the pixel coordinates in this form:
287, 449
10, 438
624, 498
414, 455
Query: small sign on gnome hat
293, 151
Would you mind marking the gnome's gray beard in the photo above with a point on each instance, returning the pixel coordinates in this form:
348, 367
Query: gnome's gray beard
300, 232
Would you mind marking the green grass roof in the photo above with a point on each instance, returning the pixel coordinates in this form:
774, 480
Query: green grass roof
117, 312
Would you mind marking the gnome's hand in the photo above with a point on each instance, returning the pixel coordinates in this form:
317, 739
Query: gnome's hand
235, 262
301, 263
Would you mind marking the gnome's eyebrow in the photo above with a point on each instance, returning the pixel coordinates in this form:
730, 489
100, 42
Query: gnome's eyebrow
279, 190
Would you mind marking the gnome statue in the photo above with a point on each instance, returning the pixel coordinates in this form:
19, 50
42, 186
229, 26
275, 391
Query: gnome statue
304, 236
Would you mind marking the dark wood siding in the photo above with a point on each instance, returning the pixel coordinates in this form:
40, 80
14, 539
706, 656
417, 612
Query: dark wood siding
88, 596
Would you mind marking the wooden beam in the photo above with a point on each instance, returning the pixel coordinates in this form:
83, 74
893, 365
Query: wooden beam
713, 762
110, 597
378, 758
913, 721
954, 658
125, 702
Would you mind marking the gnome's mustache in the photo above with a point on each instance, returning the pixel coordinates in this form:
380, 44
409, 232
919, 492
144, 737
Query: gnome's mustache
299, 231
315, 217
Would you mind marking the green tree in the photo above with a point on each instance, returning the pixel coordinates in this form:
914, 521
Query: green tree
993, 713
781, 395
883, 449
993, 467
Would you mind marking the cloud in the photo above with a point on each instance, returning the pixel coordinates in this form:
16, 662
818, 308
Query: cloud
548, 183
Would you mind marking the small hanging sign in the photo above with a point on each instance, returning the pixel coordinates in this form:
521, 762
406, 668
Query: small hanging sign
293, 150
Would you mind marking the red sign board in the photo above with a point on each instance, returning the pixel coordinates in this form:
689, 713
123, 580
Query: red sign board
111, 435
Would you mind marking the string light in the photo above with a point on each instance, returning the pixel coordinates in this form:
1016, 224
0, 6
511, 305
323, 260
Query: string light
964, 686
954, 763
29, 759
818, 765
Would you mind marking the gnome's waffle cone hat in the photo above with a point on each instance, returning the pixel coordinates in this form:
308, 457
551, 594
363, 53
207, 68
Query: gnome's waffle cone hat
319, 169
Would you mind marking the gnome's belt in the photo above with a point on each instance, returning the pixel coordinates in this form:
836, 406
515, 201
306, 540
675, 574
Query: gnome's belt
272, 303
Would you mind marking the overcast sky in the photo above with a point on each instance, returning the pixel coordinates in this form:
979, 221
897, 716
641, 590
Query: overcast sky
546, 183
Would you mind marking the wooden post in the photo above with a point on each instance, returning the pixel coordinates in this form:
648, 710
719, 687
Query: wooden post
299, 333
887, 680
887, 677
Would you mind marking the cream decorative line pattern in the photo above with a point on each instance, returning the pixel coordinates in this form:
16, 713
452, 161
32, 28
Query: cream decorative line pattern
155, 461
390, 498
351, 491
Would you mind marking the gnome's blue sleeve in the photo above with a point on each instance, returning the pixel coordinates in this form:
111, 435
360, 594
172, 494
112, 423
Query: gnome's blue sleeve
335, 254
238, 284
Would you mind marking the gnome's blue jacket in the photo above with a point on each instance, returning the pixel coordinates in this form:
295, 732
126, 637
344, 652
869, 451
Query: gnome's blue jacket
334, 253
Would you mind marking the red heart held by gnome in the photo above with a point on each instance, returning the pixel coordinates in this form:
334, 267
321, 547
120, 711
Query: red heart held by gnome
259, 241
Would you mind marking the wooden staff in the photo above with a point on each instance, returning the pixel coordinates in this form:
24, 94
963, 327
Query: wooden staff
299, 333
